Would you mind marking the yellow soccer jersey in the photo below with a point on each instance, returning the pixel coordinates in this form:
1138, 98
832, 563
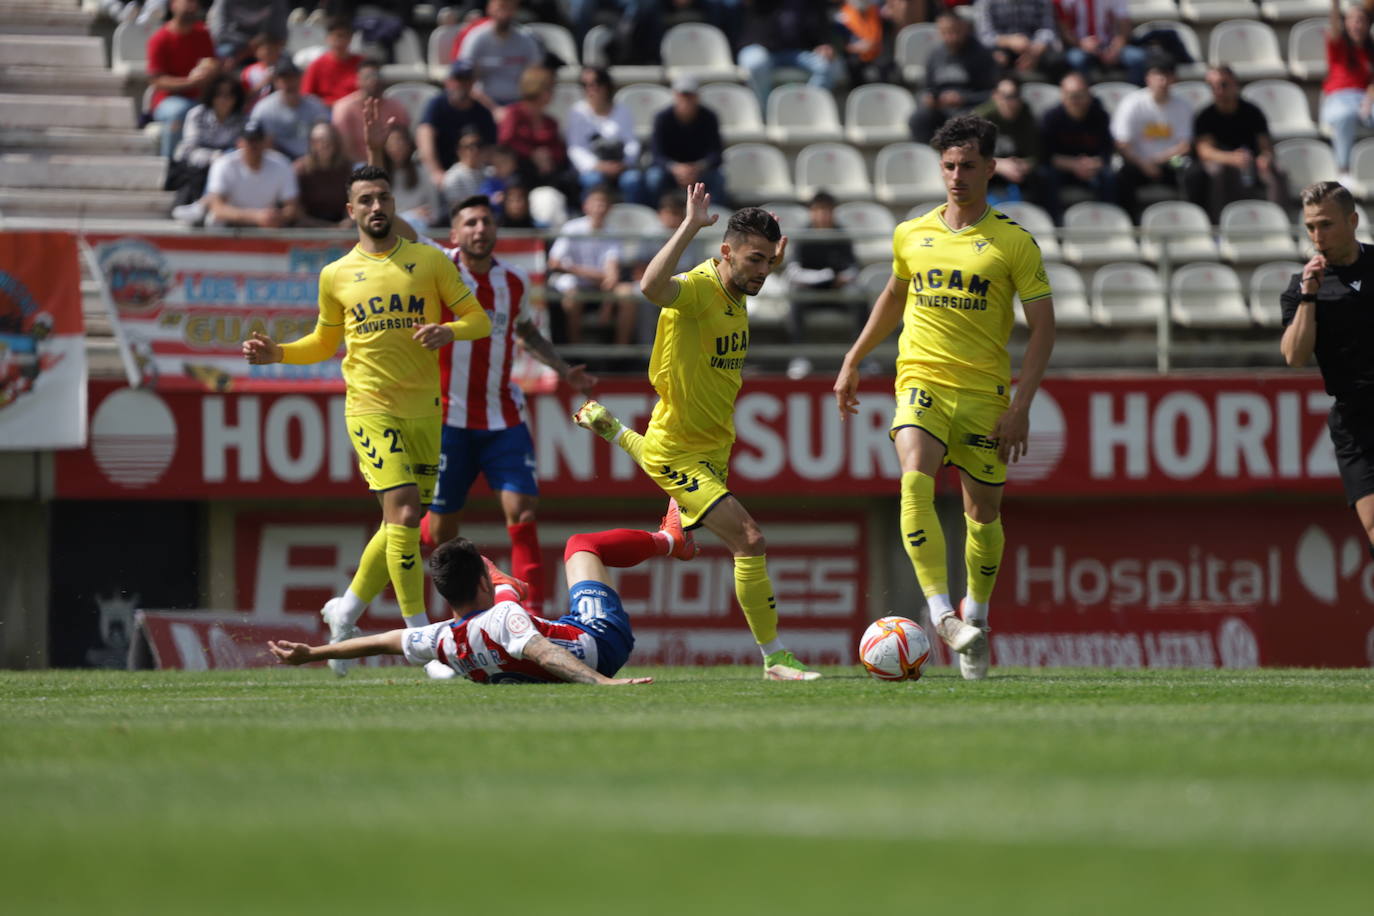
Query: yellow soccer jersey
958, 313
380, 300
699, 350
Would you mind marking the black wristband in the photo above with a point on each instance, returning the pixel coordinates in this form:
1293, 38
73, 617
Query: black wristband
1308, 297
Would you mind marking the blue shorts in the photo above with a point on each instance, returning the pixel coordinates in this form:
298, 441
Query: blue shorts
504, 456
595, 608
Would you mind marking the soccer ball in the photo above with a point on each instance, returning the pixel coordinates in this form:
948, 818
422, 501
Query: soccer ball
894, 649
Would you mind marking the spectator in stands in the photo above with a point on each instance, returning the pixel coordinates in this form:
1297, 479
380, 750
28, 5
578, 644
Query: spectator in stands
1022, 34
500, 52
601, 138
583, 263
864, 29
288, 114
1078, 147
1347, 92
1097, 37
686, 145
321, 175
515, 207
824, 268
417, 198
447, 116
233, 23
181, 63
1018, 144
211, 130
528, 129
465, 177
347, 113
672, 206
253, 185
787, 33
1235, 154
1153, 130
960, 75
637, 34
334, 74
267, 50
503, 171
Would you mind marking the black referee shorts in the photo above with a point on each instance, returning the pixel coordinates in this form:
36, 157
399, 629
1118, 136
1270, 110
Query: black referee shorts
1352, 433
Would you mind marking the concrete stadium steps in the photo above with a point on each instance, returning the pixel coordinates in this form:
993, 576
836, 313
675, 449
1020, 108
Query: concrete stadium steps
41, 17
79, 140
40, 111
51, 202
115, 173
90, 81
50, 50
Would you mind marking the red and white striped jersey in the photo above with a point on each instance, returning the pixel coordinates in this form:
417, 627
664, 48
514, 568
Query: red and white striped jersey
475, 374
489, 647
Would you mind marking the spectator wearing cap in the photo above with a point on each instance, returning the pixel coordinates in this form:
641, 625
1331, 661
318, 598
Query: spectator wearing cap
1022, 34
686, 145
1018, 144
1153, 130
534, 135
787, 33
334, 74
211, 130
321, 176
601, 138
347, 114
233, 23
181, 62
1078, 147
960, 75
446, 116
288, 114
824, 268
253, 185
500, 52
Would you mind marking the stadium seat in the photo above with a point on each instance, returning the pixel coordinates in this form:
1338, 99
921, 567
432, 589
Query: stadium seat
306, 56
1040, 97
441, 50
1110, 93
737, 109
911, 48
712, 235
307, 35
1208, 295
129, 48
644, 101
1267, 283
1307, 49
1255, 230
1362, 169
1289, 10
559, 42
414, 96
871, 225
1035, 220
835, 167
1285, 107
1127, 294
877, 113
921, 209
873, 279
548, 207
1305, 161
634, 222
1250, 47
409, 59
1197, 69
1216, 10
1186, 228
700, 50
1197, 92
565, 96
1095, 232
755, 172
1071, 309
906, 173
1151, 9
791, 216
799, 114
595, 54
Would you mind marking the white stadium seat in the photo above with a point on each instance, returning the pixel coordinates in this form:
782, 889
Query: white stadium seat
1362, 169
911, 48
1267, 283
1216, 10
872, 280
644, 101
1304, 161
922, 208
1250, 48
1307, 49
1110, 93
595, 54
877, 113
306, 35
1197, 92
737, 109
1151, 9
1288, 10
871, 225
306, 56
700, 50
906, 173
1095, 232
1183, 225
755, 172
129, 48
1040, 97
1127, 294
835, 167
1035, 220
1285, 108
565, 96
441, 50
1071, 309
634, 222
414, 96
1208, 295
799, 114
791, 216
559, 42
1198, 68
410, 59
1255, 230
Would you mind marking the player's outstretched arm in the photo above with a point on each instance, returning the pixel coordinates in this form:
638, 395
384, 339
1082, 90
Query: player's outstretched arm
658, 284
1013, 427
560, 662
298, 653
543, 350
882, 321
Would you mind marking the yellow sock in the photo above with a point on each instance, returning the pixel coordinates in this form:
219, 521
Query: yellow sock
755, 594
982, 556
372, 573
922, 535
403, 563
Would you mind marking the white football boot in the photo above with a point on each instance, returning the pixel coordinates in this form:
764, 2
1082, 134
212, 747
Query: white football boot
340, 628
957, 634
438, 671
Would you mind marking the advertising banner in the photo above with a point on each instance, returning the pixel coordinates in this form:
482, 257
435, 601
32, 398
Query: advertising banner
42, 342
200, 641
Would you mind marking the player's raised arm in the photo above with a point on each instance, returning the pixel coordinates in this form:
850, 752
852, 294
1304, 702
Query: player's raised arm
298, 653
560, 662
882, 321
658, 284
543, 350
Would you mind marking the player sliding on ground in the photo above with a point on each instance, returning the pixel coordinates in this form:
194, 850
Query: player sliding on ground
492, 639
699, 350
384, 300
954, 273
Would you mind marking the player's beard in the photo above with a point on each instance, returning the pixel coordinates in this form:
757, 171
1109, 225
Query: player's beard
377, 230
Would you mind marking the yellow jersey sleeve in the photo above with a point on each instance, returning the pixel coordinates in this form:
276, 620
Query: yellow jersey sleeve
690, 288
1028, 271
452, 289
331, 309
899, 266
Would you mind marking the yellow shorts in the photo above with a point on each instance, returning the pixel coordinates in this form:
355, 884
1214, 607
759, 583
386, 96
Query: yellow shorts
397, 453
962, 420
695, 480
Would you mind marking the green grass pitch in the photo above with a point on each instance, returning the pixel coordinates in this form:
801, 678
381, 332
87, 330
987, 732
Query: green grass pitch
710, 792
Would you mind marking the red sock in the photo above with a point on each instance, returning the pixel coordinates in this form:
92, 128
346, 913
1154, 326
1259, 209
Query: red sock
525, 560
617, 547
426, 539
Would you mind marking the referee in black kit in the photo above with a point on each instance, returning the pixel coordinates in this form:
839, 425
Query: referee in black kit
1328, 311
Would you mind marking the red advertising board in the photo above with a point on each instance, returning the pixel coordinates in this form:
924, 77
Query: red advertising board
200, 641
1113, 435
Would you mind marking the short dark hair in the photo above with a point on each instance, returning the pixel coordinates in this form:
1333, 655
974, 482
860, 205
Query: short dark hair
752, 221
457, 569
822, 199
1319, 192
212, 88
369, 63
365, 173
965, 130
472, 200
337, 24
673, 200
602, 188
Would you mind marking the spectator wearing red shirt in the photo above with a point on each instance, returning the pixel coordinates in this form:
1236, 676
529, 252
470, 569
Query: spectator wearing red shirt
1347, 96
528, 129
334, 74
348, 111
181, 62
